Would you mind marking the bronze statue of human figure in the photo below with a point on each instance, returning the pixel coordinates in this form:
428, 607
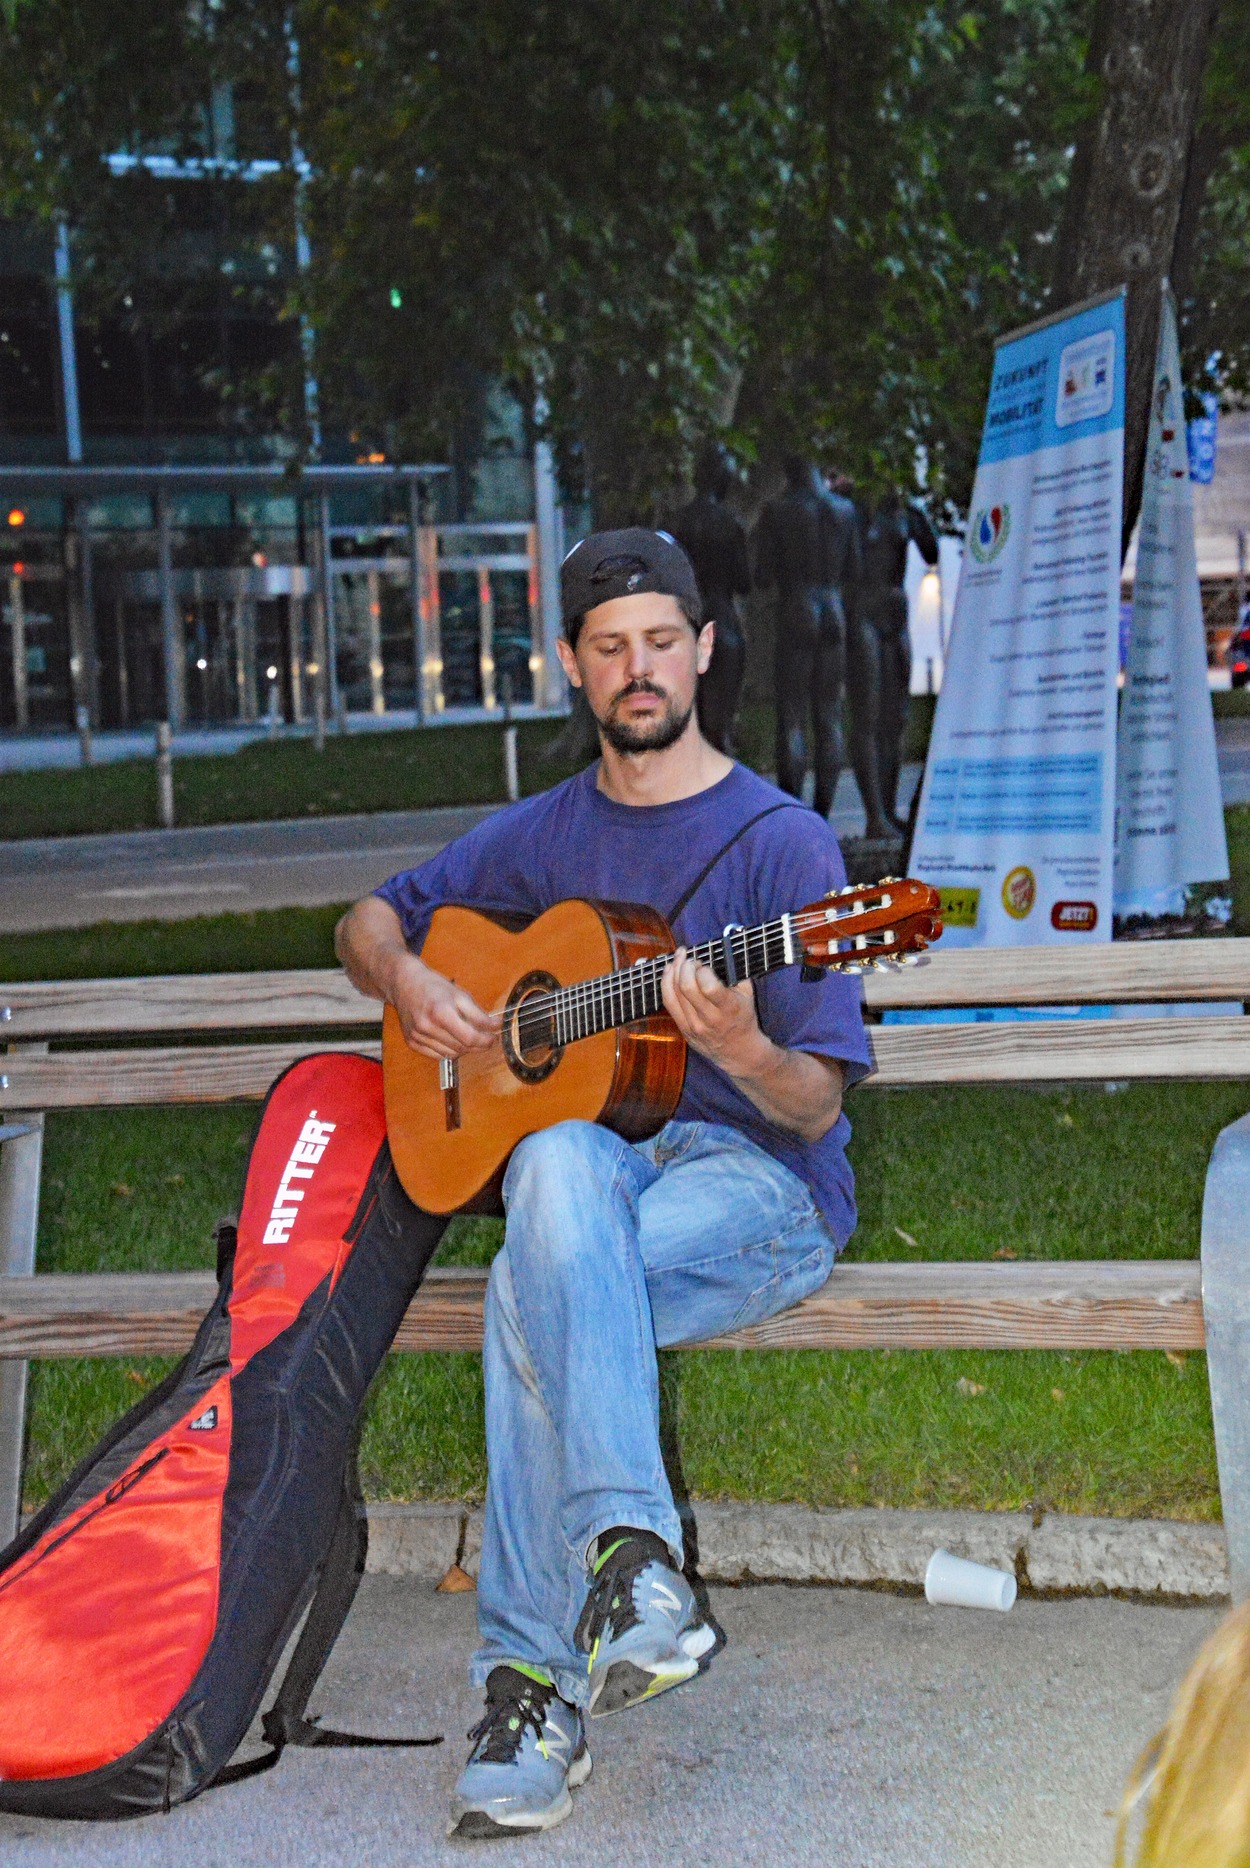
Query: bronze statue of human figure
894, 525
808, 550
716, 544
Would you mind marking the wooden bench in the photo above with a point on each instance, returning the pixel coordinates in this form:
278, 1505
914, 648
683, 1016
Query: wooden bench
1110, 1305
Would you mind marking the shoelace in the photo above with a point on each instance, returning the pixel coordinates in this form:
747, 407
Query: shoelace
610, 1603
503, 1724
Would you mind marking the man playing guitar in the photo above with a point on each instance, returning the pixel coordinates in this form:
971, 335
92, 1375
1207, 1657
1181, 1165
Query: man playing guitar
734, 1210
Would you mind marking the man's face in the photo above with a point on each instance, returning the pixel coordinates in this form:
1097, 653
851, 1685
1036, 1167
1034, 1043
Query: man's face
639, 659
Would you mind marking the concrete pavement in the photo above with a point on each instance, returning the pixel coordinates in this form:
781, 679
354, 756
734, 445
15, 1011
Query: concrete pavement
167, 875
839, 1726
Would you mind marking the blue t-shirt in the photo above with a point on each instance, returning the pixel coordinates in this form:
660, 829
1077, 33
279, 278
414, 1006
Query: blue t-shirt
574, 841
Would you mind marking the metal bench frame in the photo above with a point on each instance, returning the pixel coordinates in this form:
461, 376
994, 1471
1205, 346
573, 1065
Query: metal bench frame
1178, 1305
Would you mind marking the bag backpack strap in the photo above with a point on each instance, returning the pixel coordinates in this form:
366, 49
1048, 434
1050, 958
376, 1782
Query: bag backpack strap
685, 900
284, 1724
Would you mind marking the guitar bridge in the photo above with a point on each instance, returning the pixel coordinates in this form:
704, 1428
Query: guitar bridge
449, 1083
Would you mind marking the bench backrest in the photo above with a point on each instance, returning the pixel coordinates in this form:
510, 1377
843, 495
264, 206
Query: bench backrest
292, 1006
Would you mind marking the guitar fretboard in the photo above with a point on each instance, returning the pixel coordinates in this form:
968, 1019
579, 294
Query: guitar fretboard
594, 1005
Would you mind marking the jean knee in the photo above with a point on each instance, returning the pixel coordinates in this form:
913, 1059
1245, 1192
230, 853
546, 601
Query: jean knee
555, 1188
553, 1164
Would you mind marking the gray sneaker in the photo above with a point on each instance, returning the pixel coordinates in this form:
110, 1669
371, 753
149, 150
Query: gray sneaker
641, 1628
529, 1748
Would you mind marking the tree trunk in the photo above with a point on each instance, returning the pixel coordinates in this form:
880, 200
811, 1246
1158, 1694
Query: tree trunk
1123, 210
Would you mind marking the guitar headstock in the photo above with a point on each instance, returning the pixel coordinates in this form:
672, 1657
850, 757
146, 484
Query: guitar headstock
877, 924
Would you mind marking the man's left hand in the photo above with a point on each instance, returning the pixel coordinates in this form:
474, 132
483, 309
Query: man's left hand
716, 1019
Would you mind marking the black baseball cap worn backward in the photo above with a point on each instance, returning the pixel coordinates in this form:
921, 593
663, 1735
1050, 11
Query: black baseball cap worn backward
628, 563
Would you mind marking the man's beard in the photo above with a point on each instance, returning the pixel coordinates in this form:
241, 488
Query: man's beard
653, 735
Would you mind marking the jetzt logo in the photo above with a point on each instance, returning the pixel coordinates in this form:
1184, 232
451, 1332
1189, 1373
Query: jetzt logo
1074, 917
305, 1155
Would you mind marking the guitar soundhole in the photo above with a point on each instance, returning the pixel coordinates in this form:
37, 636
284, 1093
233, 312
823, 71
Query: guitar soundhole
529, 1034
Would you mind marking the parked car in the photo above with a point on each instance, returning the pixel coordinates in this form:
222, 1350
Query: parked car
1237, 656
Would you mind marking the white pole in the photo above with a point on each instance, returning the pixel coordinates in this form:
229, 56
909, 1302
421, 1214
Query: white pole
549, 684
164, 775
511, 781
17, 626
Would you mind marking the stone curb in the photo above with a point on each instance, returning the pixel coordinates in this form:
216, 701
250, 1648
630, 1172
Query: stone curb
799, 1544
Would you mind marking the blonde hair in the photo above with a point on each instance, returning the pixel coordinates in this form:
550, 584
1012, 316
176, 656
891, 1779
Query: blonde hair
1194, 1777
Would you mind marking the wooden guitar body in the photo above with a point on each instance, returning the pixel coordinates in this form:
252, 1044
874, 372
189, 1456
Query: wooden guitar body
451, 1140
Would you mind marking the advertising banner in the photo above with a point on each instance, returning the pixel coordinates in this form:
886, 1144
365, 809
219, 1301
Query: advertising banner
1016, 818
1169, 808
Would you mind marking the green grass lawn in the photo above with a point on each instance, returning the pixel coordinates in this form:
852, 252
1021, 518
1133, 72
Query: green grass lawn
391, 771
957, 1173
942, 1174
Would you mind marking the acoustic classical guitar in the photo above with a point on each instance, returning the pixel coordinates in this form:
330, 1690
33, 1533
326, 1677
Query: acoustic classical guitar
582, 1029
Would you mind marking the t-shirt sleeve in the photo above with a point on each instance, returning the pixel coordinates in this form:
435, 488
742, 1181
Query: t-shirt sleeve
486, 869
800, 861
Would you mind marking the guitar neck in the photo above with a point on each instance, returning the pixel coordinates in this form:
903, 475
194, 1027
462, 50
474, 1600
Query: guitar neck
620, 998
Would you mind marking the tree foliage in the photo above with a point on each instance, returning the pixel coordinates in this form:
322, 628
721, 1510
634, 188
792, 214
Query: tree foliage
794, 223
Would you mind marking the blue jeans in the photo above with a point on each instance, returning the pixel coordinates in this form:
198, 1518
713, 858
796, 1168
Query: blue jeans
612, 1250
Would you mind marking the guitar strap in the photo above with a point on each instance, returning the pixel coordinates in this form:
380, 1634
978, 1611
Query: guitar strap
685, 900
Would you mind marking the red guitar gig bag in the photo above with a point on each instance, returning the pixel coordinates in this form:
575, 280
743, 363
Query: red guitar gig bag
143, 1611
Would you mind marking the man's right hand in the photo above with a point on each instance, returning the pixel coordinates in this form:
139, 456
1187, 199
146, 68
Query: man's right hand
437, 1017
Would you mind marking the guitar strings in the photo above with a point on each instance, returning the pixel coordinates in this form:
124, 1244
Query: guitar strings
573, 1011
569, 1003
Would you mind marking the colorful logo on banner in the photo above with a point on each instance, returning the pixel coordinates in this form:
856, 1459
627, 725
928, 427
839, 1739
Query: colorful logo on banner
990, 530
1086, 379
1019, 892
1074, 917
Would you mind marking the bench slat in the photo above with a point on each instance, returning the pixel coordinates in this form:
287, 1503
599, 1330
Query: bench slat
186, 1002
1123, 971
1055, 1050
1081, 974
194, 1074
1049, 1051
1117, 1304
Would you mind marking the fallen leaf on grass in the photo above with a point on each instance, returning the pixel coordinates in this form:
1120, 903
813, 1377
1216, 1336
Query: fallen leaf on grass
174, 1180
907, 1238
966, 1387
1066, 1121
1057, 1394
1006, 1251
1175, 1357
134, 1375
122, 1191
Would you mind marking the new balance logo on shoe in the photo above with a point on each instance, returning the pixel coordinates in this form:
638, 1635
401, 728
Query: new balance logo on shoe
666, 1598
305, 1155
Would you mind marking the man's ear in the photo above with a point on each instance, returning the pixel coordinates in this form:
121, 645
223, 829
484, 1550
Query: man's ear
568, 661
707, 642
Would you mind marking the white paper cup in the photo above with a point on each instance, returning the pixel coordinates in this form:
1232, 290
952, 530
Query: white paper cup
964, 1585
